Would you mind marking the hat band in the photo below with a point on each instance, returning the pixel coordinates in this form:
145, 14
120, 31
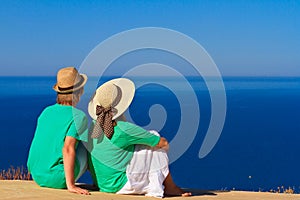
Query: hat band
72, 87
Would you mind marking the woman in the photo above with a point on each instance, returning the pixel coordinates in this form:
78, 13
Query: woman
56, 158
125, 158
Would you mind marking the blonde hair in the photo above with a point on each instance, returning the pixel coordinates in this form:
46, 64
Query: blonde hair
69, 99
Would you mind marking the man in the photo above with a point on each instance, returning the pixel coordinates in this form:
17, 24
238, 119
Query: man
57, 157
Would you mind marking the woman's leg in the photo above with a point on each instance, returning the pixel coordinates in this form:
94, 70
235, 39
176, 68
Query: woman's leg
146, 172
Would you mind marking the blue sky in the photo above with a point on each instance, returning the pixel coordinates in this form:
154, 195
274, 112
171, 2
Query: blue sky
244, 38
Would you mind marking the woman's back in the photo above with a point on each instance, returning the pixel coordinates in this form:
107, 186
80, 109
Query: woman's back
110, 157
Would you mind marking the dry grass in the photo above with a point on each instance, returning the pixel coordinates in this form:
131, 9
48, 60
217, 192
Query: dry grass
282, 189
19, 173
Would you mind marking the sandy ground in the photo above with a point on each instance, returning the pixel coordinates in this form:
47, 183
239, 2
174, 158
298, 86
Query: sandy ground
29, 190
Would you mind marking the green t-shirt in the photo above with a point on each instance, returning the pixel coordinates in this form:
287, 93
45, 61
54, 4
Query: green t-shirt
45, 160
109, 158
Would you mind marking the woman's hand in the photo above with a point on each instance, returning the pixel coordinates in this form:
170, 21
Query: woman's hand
163, 144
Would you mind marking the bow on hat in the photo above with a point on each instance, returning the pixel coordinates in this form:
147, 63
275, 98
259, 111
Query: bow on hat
104, 122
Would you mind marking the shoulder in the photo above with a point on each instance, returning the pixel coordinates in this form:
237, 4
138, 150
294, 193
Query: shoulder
132, 129
62, 111
77, 112
127, 126
136, 135
49, 109
79, 117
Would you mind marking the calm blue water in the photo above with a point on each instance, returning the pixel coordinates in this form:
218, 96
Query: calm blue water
258, 148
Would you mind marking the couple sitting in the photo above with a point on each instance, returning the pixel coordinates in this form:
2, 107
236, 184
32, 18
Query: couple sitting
123, 158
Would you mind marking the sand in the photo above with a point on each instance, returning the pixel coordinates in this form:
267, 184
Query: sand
29, 190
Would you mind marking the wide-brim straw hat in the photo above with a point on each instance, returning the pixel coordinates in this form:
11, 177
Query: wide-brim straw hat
69, 80
116, 93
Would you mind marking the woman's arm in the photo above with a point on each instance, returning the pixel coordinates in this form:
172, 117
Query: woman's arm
69, 154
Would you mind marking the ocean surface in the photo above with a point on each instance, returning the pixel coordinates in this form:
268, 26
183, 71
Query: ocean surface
258, 148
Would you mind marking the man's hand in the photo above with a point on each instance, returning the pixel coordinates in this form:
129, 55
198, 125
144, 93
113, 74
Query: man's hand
78, 190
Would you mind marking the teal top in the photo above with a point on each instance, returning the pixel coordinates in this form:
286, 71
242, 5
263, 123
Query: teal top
45, 160
109, 158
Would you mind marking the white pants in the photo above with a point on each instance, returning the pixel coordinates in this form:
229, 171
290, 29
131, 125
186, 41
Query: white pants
147, 171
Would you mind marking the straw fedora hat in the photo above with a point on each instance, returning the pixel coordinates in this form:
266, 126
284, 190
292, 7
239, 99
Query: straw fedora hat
69, 80
117, 93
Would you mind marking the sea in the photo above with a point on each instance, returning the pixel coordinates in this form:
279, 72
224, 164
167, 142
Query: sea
259, 144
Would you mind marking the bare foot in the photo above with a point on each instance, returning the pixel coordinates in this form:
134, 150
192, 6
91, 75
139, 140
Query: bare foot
176, 191
171, 189
186, 194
